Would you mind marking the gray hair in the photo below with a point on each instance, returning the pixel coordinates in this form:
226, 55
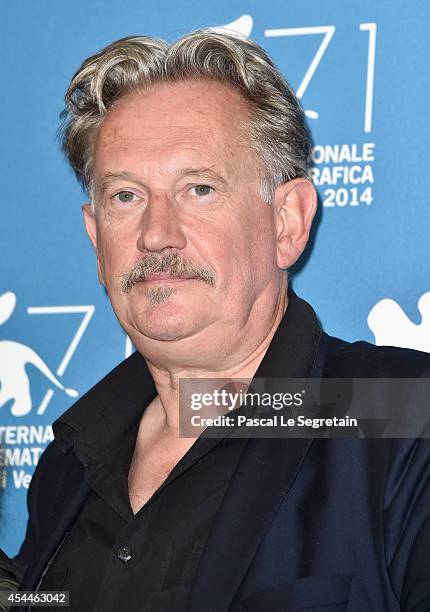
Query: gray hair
276, 131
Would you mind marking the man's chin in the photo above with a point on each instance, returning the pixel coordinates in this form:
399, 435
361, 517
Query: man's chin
165, 321
167, 333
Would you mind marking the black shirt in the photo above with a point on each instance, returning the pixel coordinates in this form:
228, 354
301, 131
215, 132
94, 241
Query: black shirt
114, 560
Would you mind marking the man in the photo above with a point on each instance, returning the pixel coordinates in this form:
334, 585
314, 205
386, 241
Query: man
195, 158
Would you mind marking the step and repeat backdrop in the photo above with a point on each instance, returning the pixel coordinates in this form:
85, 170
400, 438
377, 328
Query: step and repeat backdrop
361, 71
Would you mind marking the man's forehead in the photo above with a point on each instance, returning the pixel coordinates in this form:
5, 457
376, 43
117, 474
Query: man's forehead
180, 107
149, 134
185, 123
168, 147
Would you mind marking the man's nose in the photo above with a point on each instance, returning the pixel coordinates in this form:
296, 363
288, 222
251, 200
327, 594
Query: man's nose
160, 226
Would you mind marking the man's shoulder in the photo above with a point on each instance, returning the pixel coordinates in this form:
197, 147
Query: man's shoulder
364, 360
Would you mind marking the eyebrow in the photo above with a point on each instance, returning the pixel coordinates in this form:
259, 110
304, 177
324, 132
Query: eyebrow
111, 177
202, 172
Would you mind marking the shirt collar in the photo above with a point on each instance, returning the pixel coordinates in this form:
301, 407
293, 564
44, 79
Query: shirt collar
98, 422
108, 411
294, 346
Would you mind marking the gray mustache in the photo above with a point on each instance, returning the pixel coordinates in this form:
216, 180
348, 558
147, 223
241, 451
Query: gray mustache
176, 266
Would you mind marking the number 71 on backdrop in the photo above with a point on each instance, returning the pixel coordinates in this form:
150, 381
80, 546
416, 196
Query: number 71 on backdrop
328, 32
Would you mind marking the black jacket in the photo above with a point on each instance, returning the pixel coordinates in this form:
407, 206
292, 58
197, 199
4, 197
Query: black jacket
307, 524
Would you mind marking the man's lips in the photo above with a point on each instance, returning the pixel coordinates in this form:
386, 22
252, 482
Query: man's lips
163, 276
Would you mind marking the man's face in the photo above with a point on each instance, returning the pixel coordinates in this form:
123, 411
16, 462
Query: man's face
177, 189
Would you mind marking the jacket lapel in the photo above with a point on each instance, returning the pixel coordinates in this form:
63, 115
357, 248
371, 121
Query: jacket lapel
265, 473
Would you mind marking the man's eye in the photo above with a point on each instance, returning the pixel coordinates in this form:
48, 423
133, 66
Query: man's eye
125, 196
202, 190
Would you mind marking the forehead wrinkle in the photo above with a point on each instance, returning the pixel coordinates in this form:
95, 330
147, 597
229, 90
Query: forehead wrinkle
125, 139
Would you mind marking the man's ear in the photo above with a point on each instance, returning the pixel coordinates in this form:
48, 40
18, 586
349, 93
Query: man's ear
91, 229
295, 205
